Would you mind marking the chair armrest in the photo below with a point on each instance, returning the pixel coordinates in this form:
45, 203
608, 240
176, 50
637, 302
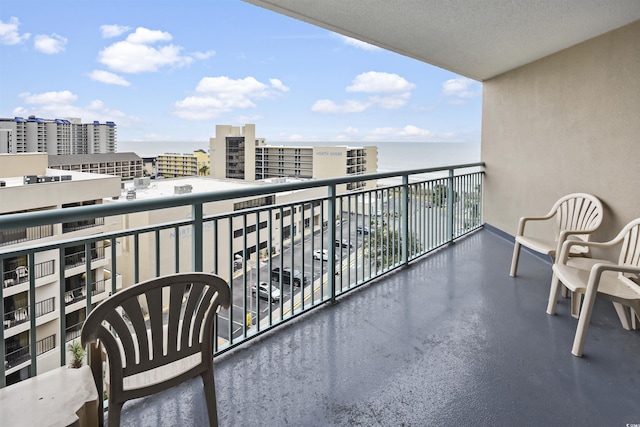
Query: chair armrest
566, 246
525, 219
599, 268
564, 235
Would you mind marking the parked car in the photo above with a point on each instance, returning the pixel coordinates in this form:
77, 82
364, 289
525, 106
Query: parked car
362, 230
344, 243
265, 289
286, 276
323, 255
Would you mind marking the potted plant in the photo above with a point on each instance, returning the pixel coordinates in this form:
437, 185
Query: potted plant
77, 354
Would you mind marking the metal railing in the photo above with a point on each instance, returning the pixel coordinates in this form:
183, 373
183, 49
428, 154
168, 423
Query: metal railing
21, 314
334, 241
80, 292
22, 354
18, 235
21, 274
78, 258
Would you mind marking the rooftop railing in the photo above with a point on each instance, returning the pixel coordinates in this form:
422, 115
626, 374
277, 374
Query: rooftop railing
335, 241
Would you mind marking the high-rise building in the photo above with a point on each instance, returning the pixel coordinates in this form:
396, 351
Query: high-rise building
56, 136
26, 185
236, 153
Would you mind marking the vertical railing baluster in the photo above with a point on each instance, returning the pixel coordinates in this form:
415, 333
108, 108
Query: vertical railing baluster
450, 206
331, 269
197, 239
63, 306
157, 254
33, 371
3, 382
114, 271
404, 221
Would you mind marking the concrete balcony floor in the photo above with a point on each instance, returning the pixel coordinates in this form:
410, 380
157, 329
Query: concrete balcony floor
450, 340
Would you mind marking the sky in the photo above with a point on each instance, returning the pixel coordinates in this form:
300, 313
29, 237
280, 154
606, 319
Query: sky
170, 70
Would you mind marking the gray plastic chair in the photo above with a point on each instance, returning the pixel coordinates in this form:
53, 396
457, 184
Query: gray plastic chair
154, 352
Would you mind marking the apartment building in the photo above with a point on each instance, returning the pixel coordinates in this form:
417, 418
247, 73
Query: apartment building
35, 286
293, 221
236, 153
173, 165
125, 165
56, 136
204, 163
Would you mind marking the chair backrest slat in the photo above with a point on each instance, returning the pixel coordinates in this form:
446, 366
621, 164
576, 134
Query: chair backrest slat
578, 212
154, 304
133, 310
630, 252
175, 307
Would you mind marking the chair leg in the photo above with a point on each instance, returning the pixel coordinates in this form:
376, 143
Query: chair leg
115, 410
514, 260
554, 293
623, 314
583, 322
210, 397
576, 300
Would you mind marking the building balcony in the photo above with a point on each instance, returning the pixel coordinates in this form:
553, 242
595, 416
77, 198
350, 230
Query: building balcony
450, 339
386, 332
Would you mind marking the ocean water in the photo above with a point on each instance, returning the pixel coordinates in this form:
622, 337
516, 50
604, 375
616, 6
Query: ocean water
392, 156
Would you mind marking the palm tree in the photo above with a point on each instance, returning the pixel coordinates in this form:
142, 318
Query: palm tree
204, 170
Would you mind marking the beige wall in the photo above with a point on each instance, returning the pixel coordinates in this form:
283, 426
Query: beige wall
566, 123
23, 164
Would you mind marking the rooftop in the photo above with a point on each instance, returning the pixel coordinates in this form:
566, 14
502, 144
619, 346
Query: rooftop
66, 159
166, 186
449, 340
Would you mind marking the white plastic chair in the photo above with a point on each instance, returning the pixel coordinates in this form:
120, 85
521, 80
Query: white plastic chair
615, 282
148, 355
577, 216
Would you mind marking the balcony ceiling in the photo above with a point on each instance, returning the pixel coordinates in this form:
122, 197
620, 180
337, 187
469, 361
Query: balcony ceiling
476, 39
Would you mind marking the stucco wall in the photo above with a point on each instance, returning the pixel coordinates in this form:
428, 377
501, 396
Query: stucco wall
566, 123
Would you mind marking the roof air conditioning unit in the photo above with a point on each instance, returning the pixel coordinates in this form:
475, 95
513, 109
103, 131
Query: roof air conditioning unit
182, 189
142, 182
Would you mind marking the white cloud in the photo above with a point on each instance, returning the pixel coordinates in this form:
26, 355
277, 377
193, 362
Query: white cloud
357, 43
277, 84
350, 106
9, 33
351, 130
49, 44
391, 102
379, 82
146, 36
108, 78
203, 55
397, 91
61, 97
217, 95
143, 51
109, 31
460, 90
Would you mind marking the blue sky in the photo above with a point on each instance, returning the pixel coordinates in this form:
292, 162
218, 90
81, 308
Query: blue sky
171, 70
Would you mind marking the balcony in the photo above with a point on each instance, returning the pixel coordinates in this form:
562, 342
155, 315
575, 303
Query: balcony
449, 340
414, 321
